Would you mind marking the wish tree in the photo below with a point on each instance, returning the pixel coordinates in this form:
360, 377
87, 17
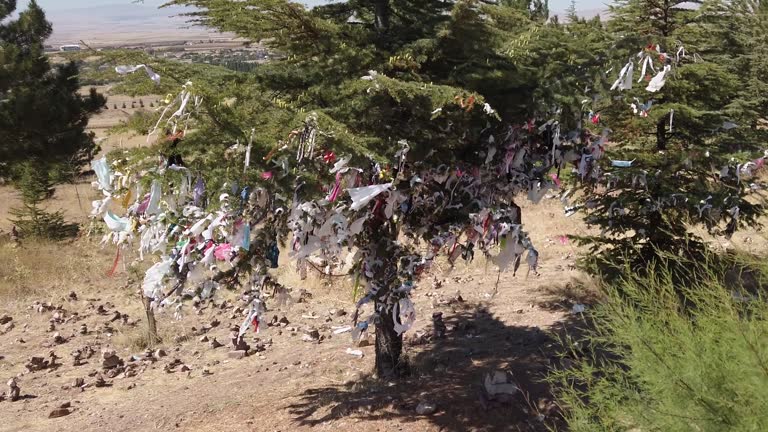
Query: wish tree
364, 145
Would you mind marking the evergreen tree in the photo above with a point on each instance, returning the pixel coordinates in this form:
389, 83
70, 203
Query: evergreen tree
429, 68
42, 116
745, 32
31, 218
42, 119
679, 134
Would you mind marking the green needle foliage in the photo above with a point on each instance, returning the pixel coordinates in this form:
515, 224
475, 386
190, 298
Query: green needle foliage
42, 118
660, 357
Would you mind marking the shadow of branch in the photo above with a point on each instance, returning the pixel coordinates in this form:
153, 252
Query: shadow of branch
449, 373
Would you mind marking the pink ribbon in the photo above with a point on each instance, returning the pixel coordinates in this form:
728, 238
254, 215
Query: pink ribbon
336, 189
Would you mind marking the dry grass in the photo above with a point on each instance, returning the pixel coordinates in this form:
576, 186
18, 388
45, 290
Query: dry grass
136, 339
48, 270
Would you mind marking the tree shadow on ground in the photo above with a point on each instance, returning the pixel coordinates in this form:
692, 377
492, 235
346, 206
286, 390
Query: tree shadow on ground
563, 297
449, 373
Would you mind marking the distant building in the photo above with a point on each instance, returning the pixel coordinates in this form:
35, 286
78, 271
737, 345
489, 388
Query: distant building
70, 48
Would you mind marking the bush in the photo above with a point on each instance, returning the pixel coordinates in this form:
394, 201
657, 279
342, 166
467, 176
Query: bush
31, 219
663, 357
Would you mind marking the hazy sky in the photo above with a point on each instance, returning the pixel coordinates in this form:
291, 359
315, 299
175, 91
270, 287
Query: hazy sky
58, 5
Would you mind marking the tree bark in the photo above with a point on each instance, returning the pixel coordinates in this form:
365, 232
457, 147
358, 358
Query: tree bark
381, 13
661, 134
152, 337
389, 346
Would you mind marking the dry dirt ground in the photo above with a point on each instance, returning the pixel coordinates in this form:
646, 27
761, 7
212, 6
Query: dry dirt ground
289, 384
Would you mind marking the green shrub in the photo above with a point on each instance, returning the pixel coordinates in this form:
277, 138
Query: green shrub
31, 219
661, 357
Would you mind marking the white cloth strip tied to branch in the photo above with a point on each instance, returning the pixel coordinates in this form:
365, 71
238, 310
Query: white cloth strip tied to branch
647, 62
671, 116
624, 81
181, 113
659, 80
124, 70
248, 151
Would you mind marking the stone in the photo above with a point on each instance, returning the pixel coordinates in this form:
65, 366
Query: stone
438, 326
7, 327
52, 359
77, 357
311, 335
114, 372
184, 368
160, 353
79, 382
204, 338
363, 342
110, 360
87, 352
273, 322
426, 408
59, 412
72, 296
5, 319
240, 344
14, 390
58, 338
83, 329
215, 344
174, 363
215, 323
36, 364
100, 381
284, 321
237, 355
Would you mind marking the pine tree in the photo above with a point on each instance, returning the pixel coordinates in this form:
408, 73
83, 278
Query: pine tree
42, 120
372, 75
678, 137
31, 218
42, 116
746, 34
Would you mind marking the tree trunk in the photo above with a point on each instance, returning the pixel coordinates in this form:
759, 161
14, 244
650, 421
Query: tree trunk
661, 134
152, 337
389, 346
381, 12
